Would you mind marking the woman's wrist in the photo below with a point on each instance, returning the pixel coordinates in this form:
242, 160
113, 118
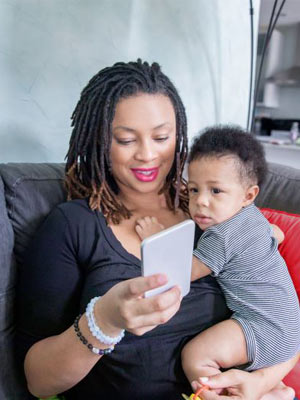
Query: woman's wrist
261, 382
267, 378
102, 319
96, 330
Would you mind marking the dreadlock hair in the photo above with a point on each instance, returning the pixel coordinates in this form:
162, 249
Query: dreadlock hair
88, 159
229, 140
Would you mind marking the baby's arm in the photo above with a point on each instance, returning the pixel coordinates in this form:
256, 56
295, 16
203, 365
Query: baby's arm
148, 226
199, 270
277, 233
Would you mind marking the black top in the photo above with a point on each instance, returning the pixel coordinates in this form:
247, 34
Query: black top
74, 257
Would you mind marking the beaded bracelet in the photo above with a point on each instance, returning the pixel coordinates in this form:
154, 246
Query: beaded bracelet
94, 328
93, 349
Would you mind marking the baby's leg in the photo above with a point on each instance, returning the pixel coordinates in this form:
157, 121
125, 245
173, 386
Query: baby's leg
147, 226
221, 346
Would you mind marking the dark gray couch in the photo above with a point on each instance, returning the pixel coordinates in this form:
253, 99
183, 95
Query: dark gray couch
27, 193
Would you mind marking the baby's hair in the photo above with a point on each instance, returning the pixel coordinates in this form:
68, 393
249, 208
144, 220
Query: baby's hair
88, 163
229, 140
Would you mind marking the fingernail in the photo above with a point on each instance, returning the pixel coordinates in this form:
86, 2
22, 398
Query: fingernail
194, 386
204, 379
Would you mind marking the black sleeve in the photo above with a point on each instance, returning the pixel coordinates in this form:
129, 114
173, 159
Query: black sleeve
49, 283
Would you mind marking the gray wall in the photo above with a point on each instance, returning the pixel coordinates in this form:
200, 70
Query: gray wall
49, 49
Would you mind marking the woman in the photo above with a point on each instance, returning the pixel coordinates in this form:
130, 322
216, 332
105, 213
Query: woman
125, 161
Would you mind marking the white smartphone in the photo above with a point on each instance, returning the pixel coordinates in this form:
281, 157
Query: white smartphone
170, 252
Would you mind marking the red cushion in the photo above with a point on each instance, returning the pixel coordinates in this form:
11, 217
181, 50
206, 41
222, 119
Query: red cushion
293, 379
290, 247
290, 251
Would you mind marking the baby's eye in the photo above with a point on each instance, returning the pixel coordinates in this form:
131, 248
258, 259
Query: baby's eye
192, 190
216, 190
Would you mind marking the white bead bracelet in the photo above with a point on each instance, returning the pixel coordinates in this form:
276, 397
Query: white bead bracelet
94, 328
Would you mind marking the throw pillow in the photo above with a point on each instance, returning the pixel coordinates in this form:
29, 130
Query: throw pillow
290, 247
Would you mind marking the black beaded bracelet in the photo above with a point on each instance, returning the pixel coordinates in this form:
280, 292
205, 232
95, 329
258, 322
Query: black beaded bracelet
93, 349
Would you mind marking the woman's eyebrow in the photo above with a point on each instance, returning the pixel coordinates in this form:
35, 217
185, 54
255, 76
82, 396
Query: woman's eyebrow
132, 130
124, 128
163, 125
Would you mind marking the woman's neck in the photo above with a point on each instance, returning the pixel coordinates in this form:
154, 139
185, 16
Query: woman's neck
143, 202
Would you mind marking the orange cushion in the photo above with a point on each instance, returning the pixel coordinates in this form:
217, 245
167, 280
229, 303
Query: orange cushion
290, 247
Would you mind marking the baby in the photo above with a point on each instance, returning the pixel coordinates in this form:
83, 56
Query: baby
226, 168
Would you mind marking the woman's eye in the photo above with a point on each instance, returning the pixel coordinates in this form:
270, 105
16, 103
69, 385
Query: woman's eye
216, 190
162, 139
124, 142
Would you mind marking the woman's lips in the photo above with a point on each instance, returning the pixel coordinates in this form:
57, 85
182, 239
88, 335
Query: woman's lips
145, 174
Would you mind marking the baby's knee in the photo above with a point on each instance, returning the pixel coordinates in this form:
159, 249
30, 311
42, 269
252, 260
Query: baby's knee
194, 356
187, 353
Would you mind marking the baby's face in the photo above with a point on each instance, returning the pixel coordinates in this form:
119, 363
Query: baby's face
215, 190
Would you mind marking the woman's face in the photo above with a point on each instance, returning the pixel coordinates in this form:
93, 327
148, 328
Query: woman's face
143, 142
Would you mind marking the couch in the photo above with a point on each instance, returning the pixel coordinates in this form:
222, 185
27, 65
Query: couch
27, 194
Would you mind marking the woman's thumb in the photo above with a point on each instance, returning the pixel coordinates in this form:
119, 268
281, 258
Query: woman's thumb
221, 380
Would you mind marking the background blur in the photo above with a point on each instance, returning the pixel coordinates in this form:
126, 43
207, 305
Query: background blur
50, 49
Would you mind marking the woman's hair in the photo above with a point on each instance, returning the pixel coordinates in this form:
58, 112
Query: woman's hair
227, 140
88, 159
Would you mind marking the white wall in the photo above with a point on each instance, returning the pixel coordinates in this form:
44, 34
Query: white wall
50, 49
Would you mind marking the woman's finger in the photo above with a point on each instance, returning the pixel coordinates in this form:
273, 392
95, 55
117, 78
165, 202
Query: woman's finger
144, 320
136, 287
222, 380
211, 395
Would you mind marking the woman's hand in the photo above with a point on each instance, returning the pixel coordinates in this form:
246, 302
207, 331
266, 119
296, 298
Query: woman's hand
241, 385
124, 307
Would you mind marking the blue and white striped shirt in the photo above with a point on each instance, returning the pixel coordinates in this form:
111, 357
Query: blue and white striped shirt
244, 258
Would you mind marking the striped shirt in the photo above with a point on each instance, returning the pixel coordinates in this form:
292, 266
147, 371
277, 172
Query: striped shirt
243, 256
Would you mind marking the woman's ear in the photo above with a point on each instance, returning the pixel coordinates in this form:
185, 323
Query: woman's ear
250, 195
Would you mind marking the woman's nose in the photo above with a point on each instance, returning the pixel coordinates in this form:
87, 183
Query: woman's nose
146, 152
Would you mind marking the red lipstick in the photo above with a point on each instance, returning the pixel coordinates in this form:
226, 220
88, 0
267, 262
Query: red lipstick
145, 174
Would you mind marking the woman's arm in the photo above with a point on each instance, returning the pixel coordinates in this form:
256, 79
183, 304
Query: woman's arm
57, 363
241, 385
271, 376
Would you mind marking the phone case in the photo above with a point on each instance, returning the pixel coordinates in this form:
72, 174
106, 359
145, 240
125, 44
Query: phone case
170, 252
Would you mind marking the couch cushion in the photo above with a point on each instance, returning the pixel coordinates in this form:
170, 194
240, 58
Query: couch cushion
289, 248
281, 190
31, 191
7, 291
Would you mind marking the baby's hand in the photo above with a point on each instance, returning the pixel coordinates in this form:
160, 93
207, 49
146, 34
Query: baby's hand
147, 226
277, 233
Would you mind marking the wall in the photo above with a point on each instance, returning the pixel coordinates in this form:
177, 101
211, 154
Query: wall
50, 49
